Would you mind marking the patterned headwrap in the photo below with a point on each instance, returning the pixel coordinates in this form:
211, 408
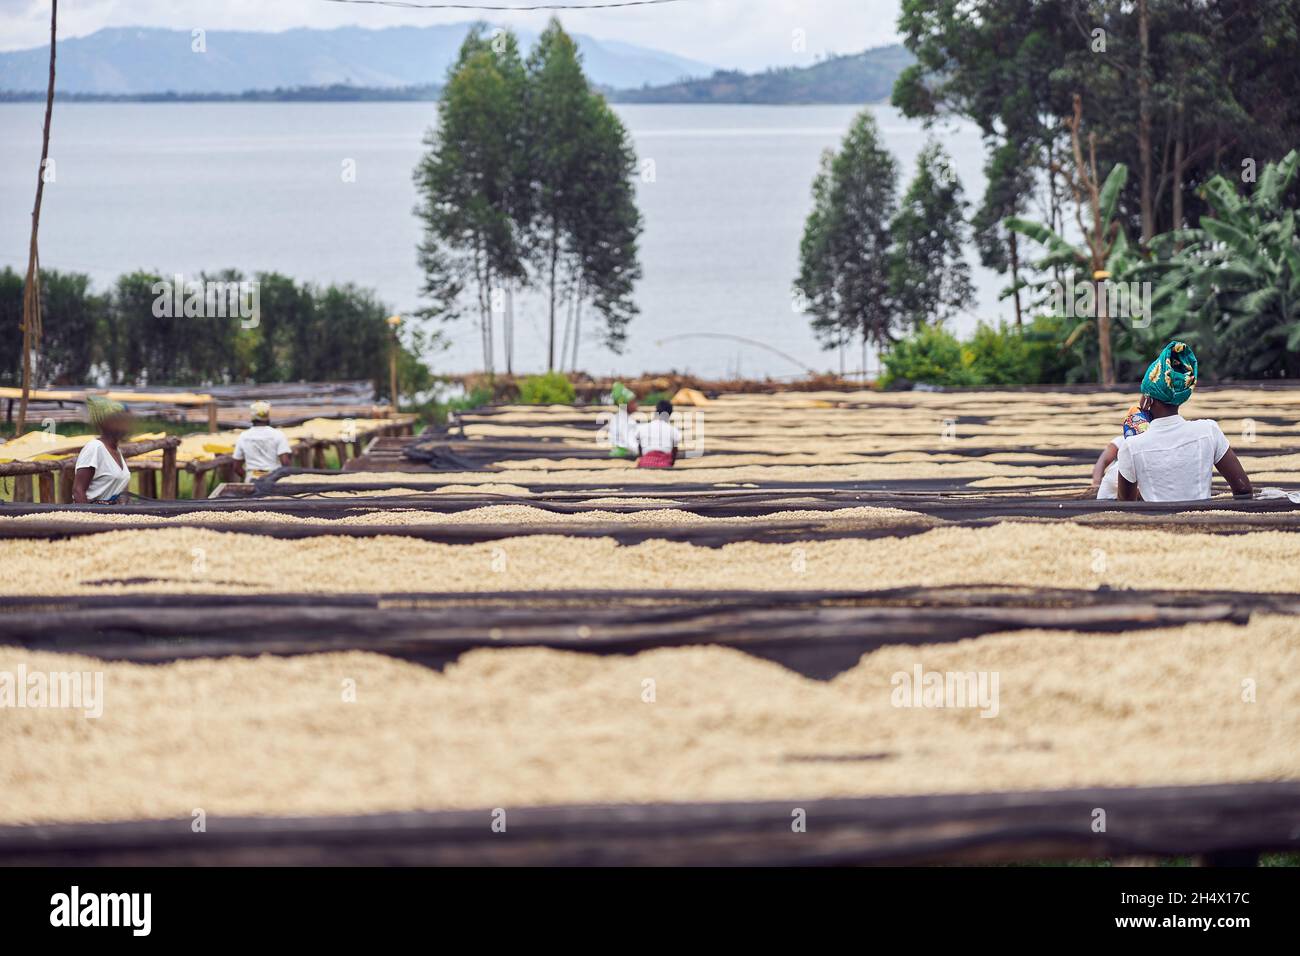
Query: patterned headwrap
99, 409
260, 410
1136, 422
1172, 376
623, 395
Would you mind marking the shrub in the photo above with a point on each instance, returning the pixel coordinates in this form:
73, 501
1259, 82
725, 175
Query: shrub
993, 355
931, 355
553, 388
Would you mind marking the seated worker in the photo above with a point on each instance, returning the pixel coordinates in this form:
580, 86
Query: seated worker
1105, 473
102, 476
261, 449
657, 440
622, 431
1173, 460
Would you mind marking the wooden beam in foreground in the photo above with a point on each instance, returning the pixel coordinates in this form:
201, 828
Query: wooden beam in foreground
976, 828
816, 639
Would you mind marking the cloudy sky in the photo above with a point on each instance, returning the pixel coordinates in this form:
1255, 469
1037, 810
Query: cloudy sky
744, 34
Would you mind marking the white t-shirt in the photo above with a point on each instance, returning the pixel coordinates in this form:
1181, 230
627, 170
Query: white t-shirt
657, 435
111, 476
260, 448
1174, 459
1109, 487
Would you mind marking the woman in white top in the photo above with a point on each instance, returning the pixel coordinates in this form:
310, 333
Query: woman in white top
1175, 459
657, 441
102, 476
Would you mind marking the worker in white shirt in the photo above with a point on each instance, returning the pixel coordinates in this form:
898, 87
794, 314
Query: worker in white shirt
261, 449
658, 442
101, 476
1174, 459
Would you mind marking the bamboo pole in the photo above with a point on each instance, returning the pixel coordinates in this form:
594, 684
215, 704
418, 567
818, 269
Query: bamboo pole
31, 327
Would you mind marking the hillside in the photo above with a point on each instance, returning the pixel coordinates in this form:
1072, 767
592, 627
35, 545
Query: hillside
866, 77
131, 61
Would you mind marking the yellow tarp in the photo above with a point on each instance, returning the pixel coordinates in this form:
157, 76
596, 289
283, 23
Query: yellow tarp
44, 395
41, 445
153, 398
204, 447
690, 396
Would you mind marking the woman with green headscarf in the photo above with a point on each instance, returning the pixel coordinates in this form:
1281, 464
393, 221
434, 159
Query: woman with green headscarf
102, 476
1175, 459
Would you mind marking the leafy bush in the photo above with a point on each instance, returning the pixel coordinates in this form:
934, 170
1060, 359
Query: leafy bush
931, 355
1005, 355
993, 355
553, 388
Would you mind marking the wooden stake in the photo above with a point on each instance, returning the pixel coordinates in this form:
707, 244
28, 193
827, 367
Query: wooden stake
170, 479
31, 326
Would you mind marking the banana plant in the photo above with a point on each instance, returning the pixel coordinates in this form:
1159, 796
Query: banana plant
1238, 274
1106, 261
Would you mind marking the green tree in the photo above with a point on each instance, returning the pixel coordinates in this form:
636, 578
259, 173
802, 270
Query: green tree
287, 327
559, 112
474, 204
1177, 91
603, 236
844, 256
71, 315
929, 280
11, 317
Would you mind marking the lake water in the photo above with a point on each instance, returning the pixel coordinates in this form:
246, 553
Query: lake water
188, 187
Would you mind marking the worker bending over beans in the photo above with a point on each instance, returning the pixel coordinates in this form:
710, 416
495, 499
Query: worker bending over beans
1174, 459
261, 449
622, 429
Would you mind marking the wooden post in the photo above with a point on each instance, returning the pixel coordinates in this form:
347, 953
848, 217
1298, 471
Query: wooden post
31, 321
201, 482
318, 455
170, 480
46, 482
341, 449
148, 484
22, 487
66, 478
212, 417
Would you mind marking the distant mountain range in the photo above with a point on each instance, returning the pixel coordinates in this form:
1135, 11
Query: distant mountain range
866, 77
132, 61
402, 63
